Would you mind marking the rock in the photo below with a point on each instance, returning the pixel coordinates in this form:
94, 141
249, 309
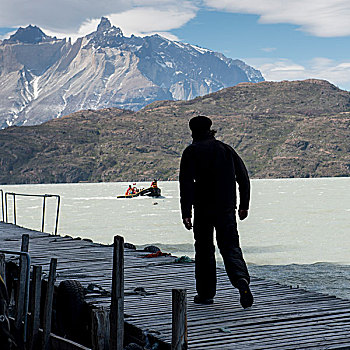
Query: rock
151, 249
130, 246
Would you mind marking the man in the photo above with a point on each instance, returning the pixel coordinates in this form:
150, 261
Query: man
128, 191
209, 171
154, 184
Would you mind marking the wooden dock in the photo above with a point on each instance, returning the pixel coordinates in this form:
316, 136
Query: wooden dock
281, 318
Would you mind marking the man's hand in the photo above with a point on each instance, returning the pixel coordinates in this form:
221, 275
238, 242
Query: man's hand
242, 213
188, 223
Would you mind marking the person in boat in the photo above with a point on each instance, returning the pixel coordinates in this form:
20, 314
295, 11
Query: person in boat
154, 184
205, 165
129, 191
134, 189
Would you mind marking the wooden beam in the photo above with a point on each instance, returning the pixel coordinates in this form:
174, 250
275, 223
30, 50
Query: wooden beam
100, 329
3, 267
22, 283
25, 243
179, 319
59, 343
48, 305
35, 307
117, 301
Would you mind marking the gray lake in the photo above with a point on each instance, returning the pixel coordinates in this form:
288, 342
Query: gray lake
297, 232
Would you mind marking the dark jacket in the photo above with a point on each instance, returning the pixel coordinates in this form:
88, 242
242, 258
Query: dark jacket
209, 171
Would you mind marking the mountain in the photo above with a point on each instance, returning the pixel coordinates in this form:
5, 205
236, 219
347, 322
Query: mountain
29, 35
281, 129
43, 78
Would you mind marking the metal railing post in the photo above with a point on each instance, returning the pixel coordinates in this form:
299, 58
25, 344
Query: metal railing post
6, 206
57, 212
43, 210
14, 209
2, 205
43, 215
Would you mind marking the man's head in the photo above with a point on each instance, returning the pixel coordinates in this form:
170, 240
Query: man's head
200, 123
200, 126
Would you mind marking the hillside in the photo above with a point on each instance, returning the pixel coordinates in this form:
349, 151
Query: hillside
281, 129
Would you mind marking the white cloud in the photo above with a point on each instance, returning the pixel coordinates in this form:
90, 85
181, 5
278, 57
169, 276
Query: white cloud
7, 35
324, 18
74, 18
268, 49
56, 15
337, 73
146, 20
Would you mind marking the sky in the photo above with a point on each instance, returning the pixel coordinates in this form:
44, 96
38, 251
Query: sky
284, 39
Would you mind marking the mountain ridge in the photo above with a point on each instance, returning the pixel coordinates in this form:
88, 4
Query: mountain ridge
285, 140
43, 77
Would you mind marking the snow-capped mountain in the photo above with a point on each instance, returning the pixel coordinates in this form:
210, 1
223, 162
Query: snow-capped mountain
42, 77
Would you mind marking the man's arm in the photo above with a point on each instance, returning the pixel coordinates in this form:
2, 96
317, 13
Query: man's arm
242, 179
186, 179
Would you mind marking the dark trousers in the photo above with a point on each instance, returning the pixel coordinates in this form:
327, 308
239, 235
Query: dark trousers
224, 222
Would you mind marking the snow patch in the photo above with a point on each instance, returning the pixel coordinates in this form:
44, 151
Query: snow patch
161, 64
181, 45
64, 104
36, 90
200, 49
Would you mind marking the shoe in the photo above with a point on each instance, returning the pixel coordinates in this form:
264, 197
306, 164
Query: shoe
246, 298
198, 300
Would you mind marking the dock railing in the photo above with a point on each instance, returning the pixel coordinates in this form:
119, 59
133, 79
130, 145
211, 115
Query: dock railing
22, 299
44, 196
2, 206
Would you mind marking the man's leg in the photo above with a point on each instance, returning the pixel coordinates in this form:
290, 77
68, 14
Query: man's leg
228, 243
205, 255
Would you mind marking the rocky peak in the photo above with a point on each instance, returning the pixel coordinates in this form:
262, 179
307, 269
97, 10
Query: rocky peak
105, 28
104, 25
106, 35
29, 35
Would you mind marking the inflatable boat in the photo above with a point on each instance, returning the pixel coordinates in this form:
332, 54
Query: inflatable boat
151, 192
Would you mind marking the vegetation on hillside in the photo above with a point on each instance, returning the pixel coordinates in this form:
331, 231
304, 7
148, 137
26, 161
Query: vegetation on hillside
284, 129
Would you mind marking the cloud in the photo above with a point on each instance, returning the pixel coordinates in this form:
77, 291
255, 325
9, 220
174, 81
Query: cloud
337, 73
146, 20
7, 35
268, 49
324, 18
76, 18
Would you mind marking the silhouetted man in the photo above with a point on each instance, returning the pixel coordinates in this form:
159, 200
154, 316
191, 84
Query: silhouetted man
209, 171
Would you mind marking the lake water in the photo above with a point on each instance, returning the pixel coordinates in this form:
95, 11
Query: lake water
297, 232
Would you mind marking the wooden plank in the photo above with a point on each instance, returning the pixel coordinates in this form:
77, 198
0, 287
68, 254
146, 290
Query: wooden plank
283, 336
117, 300
179, 320
281, 318
25, 243
48, 305
59, 343
100, 330
35, 306
3, 267
22, 284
